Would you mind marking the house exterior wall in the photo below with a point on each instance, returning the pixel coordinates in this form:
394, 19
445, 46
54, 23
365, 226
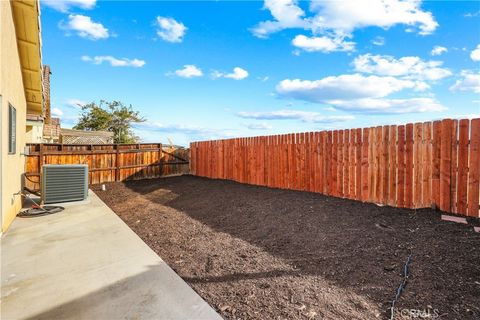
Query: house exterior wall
12, 92
34, 132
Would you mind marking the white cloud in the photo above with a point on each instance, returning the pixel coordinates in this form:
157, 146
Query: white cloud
322, 44
470, 82
237, 74
472, 14
345, 87
172, 128
193, 132
65, 5
475, 54
56, 112
305, 116
407, 67
215, 74
342, 17
287, 14
188, 71
68, 121
258, 126
85, 27
438, 50
115, 62
170, 30
360, 93
75, 103
378, 41
388, 106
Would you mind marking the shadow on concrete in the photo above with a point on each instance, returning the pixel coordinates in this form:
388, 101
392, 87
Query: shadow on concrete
152, 301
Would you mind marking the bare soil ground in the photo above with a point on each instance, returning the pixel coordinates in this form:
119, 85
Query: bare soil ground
260, 253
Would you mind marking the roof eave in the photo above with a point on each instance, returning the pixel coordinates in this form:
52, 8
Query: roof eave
26, 16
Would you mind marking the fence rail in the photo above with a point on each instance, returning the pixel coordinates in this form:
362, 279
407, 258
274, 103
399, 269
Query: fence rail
108, 162
413, 166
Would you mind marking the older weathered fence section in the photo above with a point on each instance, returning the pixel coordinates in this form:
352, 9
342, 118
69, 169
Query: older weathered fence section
108, 162
412, 166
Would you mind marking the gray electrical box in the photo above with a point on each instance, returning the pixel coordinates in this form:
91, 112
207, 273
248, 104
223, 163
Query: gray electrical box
64, 182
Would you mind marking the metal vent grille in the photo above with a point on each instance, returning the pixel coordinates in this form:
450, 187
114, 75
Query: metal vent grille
64, 183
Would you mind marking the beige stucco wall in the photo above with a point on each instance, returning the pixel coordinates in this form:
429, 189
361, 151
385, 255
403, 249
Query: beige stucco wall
11, 91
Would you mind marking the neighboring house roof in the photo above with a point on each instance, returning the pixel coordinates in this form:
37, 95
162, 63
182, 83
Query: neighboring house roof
172, 146
26, 16
70, 136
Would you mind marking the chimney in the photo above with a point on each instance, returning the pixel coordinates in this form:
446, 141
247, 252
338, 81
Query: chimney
46, 93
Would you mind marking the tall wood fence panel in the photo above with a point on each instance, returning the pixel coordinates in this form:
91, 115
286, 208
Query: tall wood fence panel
415, 165
108, 162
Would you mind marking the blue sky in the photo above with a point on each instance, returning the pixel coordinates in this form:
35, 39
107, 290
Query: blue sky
216, 69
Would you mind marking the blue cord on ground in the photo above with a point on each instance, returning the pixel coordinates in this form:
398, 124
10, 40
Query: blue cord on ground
401, 287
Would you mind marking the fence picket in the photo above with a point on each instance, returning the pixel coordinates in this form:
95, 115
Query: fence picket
346, 164
358, 164
427, 165
341, 163
445, 164
364, 178
417, 164
461, 200
378, 165
436, 146
453, 168
335, 163
409, 183
384, 164
474, 170
400, 167
392, 156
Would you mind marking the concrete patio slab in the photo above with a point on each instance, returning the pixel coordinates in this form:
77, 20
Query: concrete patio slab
85, 263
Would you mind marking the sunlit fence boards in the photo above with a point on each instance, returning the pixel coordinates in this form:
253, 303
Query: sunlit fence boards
415, 165
108, 162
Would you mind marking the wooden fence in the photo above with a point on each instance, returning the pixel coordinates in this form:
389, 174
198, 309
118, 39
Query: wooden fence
108, 162
412, 166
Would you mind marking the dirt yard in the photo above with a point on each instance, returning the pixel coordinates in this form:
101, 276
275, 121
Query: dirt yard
259, 253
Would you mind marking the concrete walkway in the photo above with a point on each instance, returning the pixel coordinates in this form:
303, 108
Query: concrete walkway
85, 263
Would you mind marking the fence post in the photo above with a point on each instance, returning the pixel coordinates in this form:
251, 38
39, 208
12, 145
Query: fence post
160, 166
40, 164
117, 169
